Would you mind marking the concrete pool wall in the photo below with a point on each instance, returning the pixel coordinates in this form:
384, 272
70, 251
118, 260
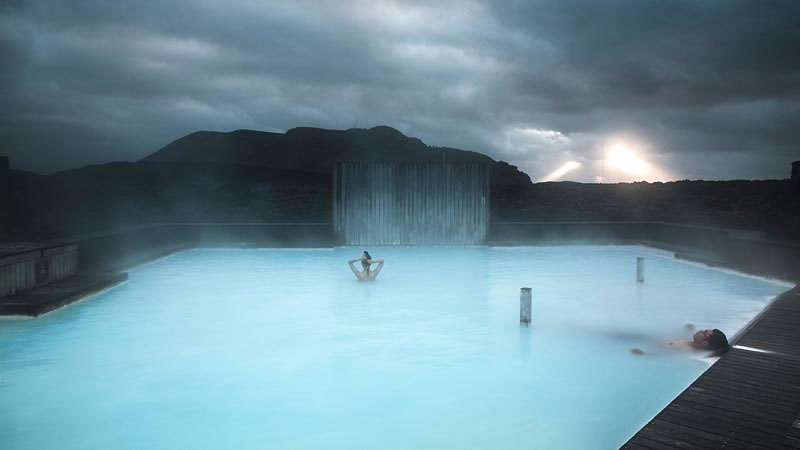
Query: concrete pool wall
99, 260
739, 250
25, 266
119, 250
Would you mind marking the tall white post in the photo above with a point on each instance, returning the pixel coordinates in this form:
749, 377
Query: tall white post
639, 269
525, 306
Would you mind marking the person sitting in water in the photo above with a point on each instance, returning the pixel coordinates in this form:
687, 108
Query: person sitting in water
366, 261
713, 341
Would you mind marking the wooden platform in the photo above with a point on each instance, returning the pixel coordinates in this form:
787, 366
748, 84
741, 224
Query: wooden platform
748, 400
38, 301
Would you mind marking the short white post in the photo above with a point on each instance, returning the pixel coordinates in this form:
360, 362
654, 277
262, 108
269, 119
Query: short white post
525, 306
639, 269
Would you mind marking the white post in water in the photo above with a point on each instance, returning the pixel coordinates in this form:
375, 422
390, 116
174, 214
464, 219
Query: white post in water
525, 306
639, 269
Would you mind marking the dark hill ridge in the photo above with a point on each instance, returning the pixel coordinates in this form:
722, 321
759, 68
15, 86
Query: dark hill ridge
252, 176
117, 195
316, 150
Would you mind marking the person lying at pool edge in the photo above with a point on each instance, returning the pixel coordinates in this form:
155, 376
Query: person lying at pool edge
713, 341
367, 274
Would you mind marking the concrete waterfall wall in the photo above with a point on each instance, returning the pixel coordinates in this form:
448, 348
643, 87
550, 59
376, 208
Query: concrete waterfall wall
409, 204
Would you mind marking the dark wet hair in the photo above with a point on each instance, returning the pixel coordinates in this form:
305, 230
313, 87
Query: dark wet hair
364, 264
717, 341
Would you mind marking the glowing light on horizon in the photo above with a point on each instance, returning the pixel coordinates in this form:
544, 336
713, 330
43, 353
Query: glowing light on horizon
568, 166
620, 157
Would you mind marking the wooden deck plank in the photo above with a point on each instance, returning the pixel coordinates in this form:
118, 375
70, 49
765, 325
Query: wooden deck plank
789, 405
792, 440
690, 437
767, 376
741, 430
745, 390
743, 420
640, 442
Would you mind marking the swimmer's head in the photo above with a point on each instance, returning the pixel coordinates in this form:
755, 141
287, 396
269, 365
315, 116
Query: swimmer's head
711, 340
699, 337
364, 264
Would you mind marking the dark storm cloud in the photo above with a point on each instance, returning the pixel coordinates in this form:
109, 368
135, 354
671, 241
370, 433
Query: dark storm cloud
704, 89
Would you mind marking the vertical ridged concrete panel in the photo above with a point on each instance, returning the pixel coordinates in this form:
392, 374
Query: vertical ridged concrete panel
410, 204
29, 268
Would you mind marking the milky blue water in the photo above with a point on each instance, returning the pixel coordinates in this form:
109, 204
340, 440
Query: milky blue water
284, 349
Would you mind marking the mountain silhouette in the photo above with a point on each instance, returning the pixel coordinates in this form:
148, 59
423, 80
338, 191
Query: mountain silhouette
316, 150
250, 176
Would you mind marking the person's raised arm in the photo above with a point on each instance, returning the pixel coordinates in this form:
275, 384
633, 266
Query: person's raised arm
377, 269
353, 268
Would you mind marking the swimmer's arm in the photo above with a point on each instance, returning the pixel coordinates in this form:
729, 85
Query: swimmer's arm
677, 344
681, 344
378, 269
353, 268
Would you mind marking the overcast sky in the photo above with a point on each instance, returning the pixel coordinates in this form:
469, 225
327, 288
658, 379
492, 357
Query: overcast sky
689, 89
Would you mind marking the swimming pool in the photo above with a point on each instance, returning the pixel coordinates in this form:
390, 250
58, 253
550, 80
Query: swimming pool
285, 349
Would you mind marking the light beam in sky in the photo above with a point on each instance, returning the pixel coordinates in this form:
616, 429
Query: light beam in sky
561, 171
622, 158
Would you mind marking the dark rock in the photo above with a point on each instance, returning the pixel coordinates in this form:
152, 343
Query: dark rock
316, 150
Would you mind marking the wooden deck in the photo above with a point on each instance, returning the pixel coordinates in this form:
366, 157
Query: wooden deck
41, 300
748, 400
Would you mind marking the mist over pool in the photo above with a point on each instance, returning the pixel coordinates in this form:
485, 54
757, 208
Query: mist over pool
285, 349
